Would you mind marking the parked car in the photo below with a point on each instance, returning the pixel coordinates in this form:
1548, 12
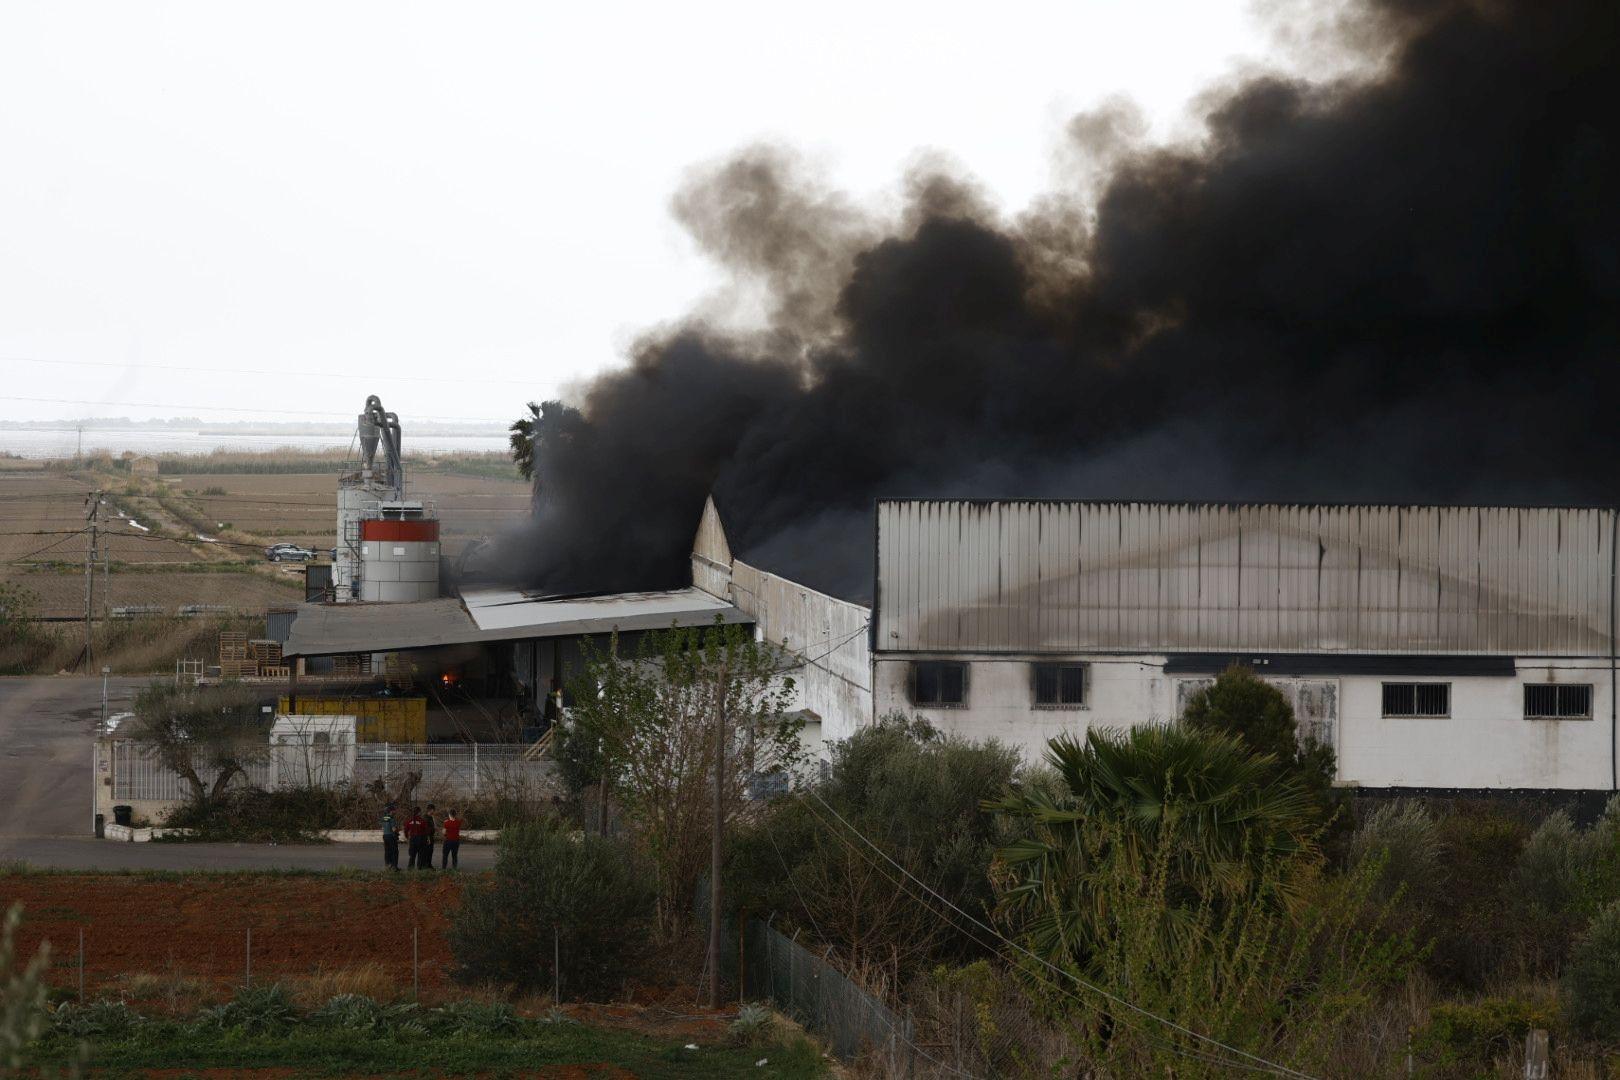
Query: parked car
288, 553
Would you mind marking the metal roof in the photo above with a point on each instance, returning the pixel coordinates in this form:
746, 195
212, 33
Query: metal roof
506, 610
1025, 576
494, 615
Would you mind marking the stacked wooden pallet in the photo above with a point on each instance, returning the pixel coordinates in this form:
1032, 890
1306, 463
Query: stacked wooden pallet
234, 661
352, 664
266, 656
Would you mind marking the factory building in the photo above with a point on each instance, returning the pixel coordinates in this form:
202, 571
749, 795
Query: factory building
824, 640
1430, 647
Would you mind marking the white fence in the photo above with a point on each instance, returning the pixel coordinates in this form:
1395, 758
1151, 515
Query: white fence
467, 769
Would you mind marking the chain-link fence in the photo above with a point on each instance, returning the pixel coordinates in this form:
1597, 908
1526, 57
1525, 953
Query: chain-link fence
811, 991
469, 770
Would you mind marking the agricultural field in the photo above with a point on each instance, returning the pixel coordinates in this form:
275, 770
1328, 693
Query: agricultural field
194, 533
162, 951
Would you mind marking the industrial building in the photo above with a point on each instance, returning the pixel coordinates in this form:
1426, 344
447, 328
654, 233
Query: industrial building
1431, 647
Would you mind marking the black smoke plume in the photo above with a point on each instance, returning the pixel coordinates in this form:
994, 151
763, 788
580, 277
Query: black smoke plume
1393, 286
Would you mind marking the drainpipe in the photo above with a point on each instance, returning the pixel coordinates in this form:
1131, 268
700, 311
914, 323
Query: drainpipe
1614, 716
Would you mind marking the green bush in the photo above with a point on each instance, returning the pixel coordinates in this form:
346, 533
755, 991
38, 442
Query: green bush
286, 816
1479, 1033
1403, 837
98, 1019
1592, 977
356, 1012
916, 794
254, 1010
586, 890
477, 1019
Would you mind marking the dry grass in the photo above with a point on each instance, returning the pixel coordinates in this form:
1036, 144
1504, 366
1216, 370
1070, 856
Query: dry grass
174, 991
370, 979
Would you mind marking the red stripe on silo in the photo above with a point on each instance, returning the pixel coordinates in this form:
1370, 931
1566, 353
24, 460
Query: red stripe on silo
399, 530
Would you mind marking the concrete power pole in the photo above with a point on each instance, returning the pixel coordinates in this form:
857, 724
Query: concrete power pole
718, 839
92, 519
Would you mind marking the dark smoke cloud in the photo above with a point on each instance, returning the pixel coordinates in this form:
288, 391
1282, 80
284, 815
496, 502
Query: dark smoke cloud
1401, 288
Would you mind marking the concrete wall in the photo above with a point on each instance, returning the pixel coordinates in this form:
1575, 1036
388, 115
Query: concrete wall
1485, 743
827, 636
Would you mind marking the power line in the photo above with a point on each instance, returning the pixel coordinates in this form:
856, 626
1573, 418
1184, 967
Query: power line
47, 547
1105, 994
233, 409
369, 376
1045, 980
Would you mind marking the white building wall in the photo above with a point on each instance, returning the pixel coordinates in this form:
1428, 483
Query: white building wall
830, 637
1485, 743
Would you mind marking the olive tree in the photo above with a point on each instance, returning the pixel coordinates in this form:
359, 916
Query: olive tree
203, 731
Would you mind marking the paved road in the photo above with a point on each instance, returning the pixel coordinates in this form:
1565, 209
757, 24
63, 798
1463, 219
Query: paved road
47, 727
92, 854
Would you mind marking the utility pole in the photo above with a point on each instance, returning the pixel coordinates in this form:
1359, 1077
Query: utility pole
91, 517
719, 827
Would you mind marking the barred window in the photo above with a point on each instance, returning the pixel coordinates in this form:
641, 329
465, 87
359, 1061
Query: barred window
1547, 701
938, 682
1060, 685
1417, 699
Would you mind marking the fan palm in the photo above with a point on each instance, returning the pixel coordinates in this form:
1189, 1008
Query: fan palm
1193, 814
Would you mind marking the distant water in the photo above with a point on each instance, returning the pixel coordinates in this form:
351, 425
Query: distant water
59, 443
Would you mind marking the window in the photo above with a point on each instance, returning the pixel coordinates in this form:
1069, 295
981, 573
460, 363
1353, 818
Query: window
1060, 685
938, 682
1417, 699
1546, 701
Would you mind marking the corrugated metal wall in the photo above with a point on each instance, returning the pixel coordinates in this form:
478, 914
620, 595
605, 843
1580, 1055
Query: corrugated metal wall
1057, 576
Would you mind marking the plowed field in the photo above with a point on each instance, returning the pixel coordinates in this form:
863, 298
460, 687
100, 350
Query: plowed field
197, 925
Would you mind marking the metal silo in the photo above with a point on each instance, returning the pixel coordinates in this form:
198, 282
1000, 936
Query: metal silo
399, 553
387, 546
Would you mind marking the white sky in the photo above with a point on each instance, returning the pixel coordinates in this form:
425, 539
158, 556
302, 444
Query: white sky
476, 195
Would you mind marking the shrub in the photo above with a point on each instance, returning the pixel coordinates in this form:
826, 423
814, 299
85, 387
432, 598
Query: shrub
1592, 977
585, 890
286, 816
356, 1012
1477, 1034
254, 1010
477, 1019
754, 1026
919, 796
1403, 837
98, 1019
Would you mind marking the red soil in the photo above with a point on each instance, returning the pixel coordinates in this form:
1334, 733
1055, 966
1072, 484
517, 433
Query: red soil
198, 925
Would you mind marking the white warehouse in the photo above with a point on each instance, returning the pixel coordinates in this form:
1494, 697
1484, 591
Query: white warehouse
1432, 647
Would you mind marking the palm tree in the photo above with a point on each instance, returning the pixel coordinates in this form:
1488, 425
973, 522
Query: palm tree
524, 432
1192, 812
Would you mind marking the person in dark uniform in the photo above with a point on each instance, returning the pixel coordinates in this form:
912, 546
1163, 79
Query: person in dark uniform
390, 838
413, 838
428, 827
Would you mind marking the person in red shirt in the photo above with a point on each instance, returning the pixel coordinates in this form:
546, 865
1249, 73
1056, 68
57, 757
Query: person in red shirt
452, 842
415, 828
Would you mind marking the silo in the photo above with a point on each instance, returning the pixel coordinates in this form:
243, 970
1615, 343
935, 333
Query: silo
399, 553
358, 499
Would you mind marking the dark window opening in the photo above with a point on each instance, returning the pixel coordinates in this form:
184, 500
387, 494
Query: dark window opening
1417, 699
938, 682
1547, 701
1060, 684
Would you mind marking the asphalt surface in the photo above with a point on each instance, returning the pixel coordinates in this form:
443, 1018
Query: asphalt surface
47, 729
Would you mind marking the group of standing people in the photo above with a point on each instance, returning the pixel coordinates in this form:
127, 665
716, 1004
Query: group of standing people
420, 830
